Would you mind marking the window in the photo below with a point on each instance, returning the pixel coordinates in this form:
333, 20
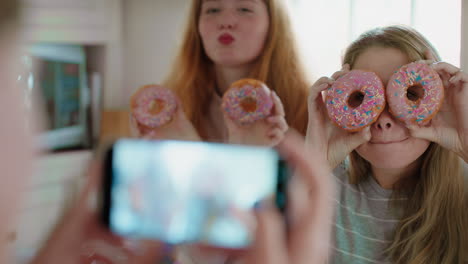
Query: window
325, 28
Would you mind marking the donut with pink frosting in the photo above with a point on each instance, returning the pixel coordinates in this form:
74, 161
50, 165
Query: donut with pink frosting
153, 105
355, 100
247, 101
415, 93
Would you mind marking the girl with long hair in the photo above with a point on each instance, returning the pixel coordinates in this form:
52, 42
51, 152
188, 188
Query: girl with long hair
228, 40
401, 197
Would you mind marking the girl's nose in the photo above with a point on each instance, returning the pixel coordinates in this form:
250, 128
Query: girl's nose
385, 121
227, 21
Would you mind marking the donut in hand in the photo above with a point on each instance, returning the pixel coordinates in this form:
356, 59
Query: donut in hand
153, 105
355, 100
247, 101
415, 94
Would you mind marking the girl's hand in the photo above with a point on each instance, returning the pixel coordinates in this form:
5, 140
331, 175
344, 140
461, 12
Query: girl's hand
308, 237
267, 132
324, 136
304, 240
449, 128
179, 128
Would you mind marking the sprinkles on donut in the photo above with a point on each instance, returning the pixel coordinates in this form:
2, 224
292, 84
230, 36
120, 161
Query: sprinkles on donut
247, 101
415, 93
355, 100
153, 105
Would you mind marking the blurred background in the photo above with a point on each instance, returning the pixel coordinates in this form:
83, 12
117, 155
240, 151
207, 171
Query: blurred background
85, 58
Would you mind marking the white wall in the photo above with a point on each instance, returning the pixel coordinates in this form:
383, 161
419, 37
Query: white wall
324, 40
151, 34
113, 97
51, 190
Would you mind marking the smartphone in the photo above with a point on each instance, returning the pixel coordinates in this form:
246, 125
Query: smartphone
184, 192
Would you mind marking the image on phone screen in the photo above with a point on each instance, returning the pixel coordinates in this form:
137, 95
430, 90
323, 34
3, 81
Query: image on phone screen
179, 192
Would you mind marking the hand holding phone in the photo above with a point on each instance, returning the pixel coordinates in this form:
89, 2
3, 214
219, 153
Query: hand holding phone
189, 192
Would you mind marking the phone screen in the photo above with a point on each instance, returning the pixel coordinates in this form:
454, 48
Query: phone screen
178, 191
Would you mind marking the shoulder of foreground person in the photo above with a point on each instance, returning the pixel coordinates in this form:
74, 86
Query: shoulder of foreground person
465, 174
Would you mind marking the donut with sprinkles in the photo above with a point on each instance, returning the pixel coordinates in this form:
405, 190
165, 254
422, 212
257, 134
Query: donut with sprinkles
415, 94
153, 105
247, 101
355, 100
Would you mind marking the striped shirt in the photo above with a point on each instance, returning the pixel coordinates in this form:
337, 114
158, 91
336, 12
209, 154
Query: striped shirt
365, 221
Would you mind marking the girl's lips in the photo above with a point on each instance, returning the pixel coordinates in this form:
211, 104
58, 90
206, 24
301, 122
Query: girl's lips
386, 142
226, 39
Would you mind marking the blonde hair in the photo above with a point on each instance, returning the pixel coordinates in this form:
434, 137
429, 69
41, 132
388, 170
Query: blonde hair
278, 66
433, 228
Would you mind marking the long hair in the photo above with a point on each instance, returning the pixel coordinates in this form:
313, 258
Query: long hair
433, 228
279, 66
